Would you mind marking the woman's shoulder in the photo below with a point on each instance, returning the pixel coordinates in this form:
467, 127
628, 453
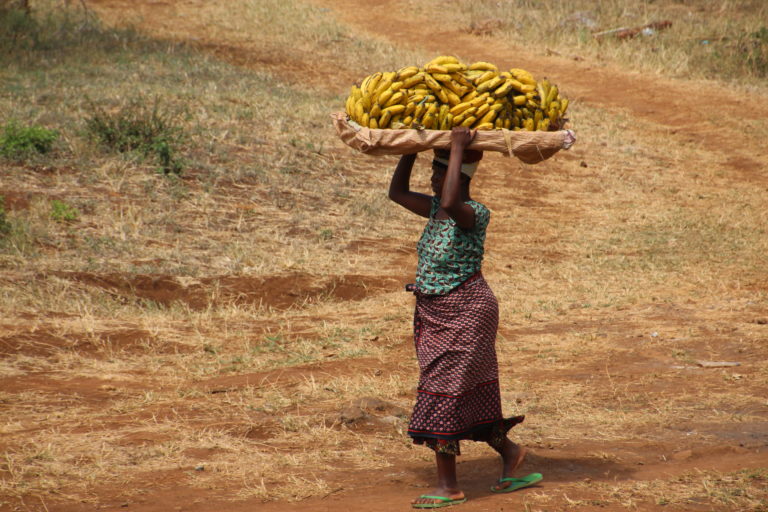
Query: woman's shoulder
482, 213
478, 206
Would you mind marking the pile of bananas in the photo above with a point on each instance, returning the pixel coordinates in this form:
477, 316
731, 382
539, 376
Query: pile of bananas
446, 93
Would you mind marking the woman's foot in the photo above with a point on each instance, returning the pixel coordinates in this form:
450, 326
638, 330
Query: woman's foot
512, 457
452, 494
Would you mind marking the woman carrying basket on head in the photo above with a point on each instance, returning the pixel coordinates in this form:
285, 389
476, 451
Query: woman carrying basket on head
455, 325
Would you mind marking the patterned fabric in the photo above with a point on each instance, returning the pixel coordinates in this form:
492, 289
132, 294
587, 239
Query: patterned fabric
495, 438
458, 394
448, 254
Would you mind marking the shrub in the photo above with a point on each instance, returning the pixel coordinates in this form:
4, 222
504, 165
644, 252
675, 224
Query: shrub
63, 212
151, 130
19, 142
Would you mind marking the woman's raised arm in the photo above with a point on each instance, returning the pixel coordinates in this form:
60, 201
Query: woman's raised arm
400, 188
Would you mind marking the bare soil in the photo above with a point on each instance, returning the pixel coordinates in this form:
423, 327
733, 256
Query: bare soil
574, 467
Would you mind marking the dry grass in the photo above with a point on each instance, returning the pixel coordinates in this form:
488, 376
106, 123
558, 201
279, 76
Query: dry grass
587, 263
724, 41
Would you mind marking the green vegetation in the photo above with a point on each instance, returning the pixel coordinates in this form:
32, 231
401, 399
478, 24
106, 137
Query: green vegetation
63, 212
144, 126
19, 142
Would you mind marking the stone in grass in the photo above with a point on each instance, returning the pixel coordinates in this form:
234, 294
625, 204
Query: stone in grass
717, 364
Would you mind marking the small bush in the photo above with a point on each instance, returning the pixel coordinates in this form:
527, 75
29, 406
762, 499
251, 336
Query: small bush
151, 130
63, 212
756, 49
19, 142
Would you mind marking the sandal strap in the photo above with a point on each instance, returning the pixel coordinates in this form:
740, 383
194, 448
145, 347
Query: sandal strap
427, 497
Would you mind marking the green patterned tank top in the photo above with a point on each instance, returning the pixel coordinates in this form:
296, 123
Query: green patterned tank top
449, 254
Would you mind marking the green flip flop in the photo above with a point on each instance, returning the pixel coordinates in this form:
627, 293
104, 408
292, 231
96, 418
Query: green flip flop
445, 502
518, 483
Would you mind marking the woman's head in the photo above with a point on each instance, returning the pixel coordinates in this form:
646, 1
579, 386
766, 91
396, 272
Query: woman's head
468, 163
440, 166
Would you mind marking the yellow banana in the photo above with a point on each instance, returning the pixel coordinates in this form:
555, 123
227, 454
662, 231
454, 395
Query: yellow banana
503, 89
482, 66
461, 79
436, 68
394, 99
484, 126
469, 121
429, 121
384, 97
461, 107
382, 86
373, 82
444, 109
488, 75
441, 77
453, 98
413, 80
407, 72
386, 117
443, 59
394, 109
554, 112
432, 83
528, 125
454, 67
489, 85
373, 123
523, 76
447, 123
489, 117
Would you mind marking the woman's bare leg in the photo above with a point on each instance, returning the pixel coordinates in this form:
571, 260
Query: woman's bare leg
512, 456
447, 484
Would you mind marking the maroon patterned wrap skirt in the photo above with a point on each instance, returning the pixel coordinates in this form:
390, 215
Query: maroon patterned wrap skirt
458, 393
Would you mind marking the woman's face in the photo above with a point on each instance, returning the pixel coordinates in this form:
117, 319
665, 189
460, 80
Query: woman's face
438, 178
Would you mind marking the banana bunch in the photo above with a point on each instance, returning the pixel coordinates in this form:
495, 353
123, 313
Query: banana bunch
445, 93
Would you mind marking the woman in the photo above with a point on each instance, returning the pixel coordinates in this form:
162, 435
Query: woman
455, 325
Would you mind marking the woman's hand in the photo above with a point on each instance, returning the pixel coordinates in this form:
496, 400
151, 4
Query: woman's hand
461, 136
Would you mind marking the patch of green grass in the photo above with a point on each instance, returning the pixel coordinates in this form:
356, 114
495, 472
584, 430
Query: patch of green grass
19, 142
141, 125
63, 212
